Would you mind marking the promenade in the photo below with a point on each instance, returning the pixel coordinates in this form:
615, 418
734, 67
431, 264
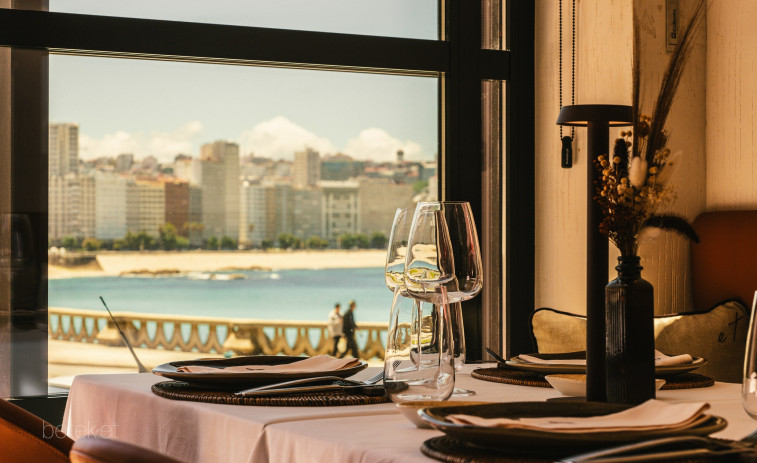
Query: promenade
67, 359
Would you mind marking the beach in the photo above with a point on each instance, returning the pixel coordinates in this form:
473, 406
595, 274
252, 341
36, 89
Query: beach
114, 263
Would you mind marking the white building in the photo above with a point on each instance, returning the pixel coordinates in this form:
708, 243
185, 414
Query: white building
340, 209
145, 206
110, 206
227, 154
63, 206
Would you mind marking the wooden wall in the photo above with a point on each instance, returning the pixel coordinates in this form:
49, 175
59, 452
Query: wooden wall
731, 174
713, 121
603, 75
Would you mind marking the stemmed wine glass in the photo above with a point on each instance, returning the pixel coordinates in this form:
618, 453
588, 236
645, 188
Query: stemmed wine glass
415, 365
749, 384
465, 265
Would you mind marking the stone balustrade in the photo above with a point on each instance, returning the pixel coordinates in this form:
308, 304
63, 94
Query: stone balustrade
207, 334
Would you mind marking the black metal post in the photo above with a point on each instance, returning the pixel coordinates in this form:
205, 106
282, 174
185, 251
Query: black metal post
597, 119
598, 140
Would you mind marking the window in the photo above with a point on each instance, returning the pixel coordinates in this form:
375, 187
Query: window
28, 37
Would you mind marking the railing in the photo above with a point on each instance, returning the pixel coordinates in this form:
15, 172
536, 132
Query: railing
207, 334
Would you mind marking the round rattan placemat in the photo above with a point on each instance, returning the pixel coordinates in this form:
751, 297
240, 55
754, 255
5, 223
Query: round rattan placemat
451, 450
179, 390
525, 378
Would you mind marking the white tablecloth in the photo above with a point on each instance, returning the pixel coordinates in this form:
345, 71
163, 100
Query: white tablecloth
123, 407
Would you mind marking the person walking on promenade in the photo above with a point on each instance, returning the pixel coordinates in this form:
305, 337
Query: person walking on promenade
335, 326
349, 327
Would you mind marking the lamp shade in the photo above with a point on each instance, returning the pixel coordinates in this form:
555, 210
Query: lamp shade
580, 115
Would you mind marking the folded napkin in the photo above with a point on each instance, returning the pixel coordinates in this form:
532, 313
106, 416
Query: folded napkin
660, 359
306, 365
652, 414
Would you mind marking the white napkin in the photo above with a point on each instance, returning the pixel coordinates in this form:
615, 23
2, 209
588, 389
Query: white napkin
660, 359
306, 365
652, 414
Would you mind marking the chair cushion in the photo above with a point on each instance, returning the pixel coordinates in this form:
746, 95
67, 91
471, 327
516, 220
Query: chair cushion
25, 437
718, 335
95, 449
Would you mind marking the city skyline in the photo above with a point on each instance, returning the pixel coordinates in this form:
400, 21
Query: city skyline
215, 196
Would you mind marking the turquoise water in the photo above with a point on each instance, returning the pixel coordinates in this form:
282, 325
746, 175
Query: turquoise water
276, 295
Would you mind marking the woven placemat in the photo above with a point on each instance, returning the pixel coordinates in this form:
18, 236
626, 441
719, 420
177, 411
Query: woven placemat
450, 450
526, 378
179, 390
517, 377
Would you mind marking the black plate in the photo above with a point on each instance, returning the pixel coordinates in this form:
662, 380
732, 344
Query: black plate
528, 441
240, 380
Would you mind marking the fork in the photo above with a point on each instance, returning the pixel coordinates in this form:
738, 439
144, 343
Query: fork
300, 382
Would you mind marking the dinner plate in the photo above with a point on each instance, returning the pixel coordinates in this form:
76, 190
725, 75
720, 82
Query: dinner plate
530, 441
664, 371
247, 379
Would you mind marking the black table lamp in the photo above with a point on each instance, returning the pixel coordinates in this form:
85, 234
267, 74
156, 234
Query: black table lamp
598, 118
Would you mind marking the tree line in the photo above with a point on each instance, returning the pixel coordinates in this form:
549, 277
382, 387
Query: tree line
169, 240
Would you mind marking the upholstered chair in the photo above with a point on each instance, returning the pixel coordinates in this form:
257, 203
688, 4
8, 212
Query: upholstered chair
92, 449
27, 438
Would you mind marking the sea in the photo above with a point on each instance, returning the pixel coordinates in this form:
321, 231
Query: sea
306, 295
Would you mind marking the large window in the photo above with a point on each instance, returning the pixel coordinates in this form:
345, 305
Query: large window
308, 138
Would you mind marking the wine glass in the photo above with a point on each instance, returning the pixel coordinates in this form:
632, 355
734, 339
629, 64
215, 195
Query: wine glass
466, 262
415, 353
749, 384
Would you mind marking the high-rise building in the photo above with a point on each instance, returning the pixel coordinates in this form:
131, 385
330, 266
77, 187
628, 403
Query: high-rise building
145, 207
260, 202
63, 206
307, 168
340, 211
110, 206
63, 149
379, 200
227, 154
213, 198
196, 226
87, 206
177, 206
307, 213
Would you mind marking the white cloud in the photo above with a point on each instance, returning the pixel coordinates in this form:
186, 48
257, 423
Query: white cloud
279, 138
163, 145
379, 146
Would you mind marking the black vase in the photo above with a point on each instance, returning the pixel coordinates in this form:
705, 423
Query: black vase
629, 324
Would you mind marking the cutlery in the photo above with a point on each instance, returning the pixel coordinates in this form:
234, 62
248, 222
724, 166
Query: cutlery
496, 356
310, 385
667, 448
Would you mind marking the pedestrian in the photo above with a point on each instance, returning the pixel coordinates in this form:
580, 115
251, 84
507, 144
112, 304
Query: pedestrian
335, 326
348, 328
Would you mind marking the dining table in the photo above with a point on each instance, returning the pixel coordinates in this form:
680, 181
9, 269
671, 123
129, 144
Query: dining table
123, 407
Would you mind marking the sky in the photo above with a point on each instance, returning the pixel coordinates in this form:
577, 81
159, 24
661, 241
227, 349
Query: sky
162, 109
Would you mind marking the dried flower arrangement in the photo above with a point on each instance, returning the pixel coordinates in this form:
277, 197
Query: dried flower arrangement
634, 181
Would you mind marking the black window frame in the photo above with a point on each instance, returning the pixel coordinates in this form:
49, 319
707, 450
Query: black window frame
458, 57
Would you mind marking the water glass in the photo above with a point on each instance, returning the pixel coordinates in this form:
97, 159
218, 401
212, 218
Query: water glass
419, 362
749, 384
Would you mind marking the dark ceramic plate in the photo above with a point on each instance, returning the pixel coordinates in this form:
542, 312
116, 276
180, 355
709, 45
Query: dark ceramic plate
666, 371
240, 380
528, 441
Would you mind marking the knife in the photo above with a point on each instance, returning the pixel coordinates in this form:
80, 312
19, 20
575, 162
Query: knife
332, 385
664, 449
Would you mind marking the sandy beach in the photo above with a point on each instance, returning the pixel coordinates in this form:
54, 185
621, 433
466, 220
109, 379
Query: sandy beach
117, 263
